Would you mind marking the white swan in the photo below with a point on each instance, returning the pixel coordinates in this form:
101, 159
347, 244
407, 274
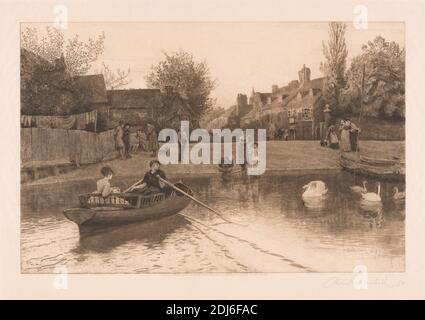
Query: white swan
358, 189
372, 196
398, 195
314, 189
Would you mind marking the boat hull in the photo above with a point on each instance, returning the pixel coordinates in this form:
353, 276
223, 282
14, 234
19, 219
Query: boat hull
376, 168
87, 218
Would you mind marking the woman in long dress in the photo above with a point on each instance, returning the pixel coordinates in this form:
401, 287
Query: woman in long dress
152, 139
345, 144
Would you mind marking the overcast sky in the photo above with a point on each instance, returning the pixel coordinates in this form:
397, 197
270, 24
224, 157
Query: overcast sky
241, 56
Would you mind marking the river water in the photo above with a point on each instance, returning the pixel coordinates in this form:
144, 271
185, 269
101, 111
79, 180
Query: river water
274, 230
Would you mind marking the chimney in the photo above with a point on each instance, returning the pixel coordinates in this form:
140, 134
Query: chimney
275, 88
304, 75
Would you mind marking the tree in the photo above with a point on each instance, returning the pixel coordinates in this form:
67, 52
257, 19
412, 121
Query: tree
384, 80
78, 55
335, 52
48, 89
114, 79
190, 79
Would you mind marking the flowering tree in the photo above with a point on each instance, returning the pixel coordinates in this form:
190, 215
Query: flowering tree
335, 52
78, 55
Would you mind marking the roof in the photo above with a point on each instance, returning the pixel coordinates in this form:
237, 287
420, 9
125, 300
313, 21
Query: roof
249, 116
95, 86
135, 98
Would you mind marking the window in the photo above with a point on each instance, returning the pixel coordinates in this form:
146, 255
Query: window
306, 113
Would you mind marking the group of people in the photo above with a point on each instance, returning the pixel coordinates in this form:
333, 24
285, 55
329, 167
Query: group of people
348, 136
151, 184
146, 141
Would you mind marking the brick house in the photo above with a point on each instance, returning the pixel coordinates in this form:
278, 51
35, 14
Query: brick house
140, 106
296, 107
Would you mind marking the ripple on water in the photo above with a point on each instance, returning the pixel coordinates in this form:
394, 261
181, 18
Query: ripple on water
281, 233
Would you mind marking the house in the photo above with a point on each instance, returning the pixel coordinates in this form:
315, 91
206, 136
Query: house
139, 106
93, 88
296, 107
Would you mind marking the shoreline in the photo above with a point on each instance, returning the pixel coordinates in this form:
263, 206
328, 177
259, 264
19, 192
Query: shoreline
283, 157
175, 175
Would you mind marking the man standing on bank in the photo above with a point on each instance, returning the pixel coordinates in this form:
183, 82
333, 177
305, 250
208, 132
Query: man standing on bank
118, 136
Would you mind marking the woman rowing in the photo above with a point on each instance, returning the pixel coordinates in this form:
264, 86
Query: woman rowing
151, 183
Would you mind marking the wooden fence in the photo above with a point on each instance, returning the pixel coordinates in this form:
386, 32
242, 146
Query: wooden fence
40, 146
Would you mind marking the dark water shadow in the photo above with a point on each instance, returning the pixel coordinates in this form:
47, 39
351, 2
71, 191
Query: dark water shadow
150, 233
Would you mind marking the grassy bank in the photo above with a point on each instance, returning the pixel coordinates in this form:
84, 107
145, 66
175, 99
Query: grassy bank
282, 156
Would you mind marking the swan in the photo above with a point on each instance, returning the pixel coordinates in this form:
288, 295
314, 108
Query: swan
314, 189
372, 196
358, 189
398, 195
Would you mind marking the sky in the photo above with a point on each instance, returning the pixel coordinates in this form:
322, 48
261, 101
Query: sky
241, 55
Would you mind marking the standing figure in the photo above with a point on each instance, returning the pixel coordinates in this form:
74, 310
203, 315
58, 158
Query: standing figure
141, 137
152, 139
345, 144
354, 135
332, 138
126, 140
118, 136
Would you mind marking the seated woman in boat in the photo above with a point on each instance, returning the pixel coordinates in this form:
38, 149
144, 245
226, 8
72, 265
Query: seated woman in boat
151, 183
104, 185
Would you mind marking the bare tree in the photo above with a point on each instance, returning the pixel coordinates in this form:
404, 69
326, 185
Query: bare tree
114, 79
335, 52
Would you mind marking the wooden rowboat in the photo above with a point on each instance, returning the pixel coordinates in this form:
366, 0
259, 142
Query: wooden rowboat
385, 169
124, 208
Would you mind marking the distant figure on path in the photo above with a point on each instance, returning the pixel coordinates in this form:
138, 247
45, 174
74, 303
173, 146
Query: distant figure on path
126, 140
271, 131
345, 144
152, 139
141, 137
332, 138
286, 135
118, 136
254, 157
354, 135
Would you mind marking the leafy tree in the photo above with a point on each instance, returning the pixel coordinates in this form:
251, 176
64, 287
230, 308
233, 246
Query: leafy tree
78, 55
47, 89
335, 52
190, 79
384, 80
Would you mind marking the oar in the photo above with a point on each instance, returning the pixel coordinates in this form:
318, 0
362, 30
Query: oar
132, 186
194, 199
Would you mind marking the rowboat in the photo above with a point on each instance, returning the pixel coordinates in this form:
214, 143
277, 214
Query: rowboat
125, 208
385, 169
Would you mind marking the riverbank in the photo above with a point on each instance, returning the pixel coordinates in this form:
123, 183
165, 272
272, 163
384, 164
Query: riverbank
282, 156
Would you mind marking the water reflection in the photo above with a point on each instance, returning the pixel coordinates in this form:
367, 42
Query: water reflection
152, 233
283, 233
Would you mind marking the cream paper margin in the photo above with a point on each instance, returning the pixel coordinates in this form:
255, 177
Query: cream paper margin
13, 284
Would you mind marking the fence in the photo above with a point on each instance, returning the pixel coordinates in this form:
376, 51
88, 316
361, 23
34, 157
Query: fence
43, 146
